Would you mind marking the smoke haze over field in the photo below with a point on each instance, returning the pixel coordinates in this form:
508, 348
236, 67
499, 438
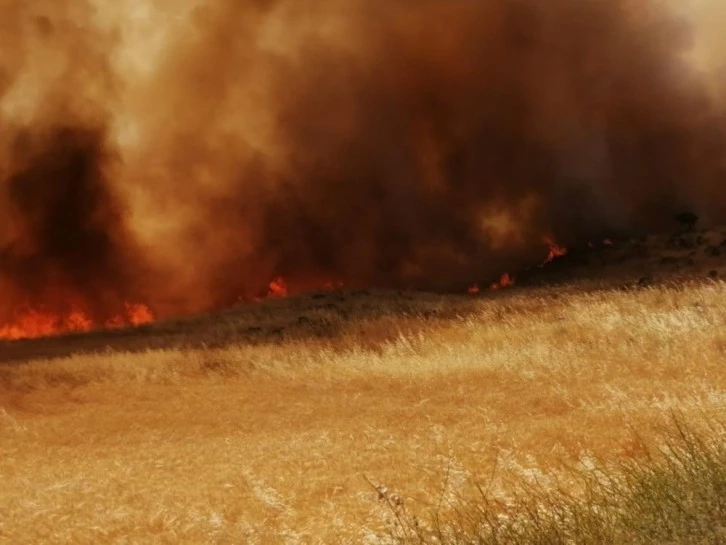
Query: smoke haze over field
186, 154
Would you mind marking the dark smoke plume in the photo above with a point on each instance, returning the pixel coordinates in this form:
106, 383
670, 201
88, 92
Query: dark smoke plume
64, 241
396, 143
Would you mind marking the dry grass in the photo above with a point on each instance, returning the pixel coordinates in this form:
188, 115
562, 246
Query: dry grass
674, 495
270, 442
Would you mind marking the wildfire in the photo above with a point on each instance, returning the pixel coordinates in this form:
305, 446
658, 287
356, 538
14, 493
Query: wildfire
136, 314
505, 281
555, 250
35, 323
277, 288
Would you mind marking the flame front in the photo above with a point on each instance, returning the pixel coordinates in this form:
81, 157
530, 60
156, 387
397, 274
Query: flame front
34, 323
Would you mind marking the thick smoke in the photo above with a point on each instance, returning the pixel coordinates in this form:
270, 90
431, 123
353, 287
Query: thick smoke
64, 239
188, 155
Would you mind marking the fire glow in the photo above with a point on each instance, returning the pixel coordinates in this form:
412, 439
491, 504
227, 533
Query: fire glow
171, 158
505, 281
278, 288
555, 250
35, 323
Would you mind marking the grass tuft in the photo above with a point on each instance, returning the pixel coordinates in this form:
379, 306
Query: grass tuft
674, 493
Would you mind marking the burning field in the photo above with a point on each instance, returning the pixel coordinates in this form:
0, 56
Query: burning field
164, 160
295, 272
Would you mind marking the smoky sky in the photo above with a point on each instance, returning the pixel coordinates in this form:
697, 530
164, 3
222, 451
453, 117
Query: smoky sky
185, 155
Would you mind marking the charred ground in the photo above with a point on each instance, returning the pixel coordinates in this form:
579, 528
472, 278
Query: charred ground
628, 262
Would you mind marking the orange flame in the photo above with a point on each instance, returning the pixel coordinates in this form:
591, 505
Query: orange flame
277, 288
473, 290
34, 323
139, 314
555, 250
505, 281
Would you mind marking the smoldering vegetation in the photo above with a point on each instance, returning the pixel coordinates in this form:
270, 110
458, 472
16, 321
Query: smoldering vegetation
186, 154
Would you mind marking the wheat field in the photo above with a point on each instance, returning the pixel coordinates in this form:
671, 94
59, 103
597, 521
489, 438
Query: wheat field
283, 440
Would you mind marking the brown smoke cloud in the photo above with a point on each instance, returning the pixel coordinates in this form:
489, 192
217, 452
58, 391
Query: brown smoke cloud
64, 237
187, 153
